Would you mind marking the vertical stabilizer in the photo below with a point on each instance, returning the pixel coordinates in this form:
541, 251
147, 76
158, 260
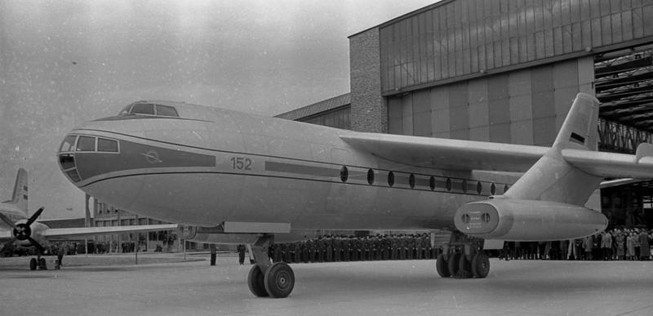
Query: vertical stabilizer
552, 178
19, 197
579, 131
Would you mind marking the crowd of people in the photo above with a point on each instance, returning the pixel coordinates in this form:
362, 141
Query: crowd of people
614, 244
351, 248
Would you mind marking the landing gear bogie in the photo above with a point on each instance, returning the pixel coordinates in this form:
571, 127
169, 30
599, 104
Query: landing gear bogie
462, 258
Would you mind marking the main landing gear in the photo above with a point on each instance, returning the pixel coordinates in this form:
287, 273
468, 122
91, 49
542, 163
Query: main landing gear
266, 278
463, 258
38, 263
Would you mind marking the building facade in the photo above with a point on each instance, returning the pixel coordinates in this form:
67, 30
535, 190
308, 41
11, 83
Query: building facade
508, 71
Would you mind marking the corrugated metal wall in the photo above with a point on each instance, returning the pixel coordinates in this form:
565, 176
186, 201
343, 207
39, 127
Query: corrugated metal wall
522, 107
465, 37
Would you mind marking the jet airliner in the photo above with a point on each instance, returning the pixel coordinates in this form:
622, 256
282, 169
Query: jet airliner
16, 227
235, 176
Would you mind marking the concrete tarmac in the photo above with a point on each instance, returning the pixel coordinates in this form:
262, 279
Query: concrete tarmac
351, 288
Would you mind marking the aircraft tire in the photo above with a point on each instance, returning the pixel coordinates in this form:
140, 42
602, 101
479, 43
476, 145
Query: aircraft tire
480, 265
454, 264
441, 267
464, 268
279, 280
42, 264
256, 283
32, 264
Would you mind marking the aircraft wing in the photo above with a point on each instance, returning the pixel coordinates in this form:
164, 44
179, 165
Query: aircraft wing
75, 233
473, 155
5, 235
447, 153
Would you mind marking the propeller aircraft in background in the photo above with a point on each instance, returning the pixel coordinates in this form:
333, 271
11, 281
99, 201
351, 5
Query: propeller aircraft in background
25, 231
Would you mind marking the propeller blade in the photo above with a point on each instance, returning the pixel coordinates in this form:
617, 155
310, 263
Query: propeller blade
36, 244
34, 217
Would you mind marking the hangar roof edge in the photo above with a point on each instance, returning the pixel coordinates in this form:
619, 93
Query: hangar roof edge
403, 16
319, 107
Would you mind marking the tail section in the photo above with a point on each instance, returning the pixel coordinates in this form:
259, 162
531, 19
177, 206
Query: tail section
552, 178
547, 202
19, 197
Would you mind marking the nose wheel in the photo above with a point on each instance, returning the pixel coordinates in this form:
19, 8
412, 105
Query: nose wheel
279, 280
266, 279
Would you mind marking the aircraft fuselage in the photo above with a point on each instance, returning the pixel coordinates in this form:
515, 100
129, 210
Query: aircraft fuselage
210, 166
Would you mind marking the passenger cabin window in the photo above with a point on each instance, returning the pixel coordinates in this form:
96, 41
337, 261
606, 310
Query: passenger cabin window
107, 145
86, 143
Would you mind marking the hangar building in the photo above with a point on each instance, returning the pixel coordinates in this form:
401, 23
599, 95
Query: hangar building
506, 71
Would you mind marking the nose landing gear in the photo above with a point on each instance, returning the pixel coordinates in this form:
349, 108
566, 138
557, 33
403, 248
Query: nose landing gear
265, 278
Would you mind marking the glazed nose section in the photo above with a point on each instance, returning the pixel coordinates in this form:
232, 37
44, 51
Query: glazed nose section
66, 158
83, 156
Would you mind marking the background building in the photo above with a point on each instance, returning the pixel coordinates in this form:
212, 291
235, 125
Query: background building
506, 71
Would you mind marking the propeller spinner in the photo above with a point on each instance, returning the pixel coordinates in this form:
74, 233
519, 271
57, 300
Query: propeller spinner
23, 231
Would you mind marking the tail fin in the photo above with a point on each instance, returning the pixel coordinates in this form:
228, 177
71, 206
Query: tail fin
579, 131
552, 178
19, 197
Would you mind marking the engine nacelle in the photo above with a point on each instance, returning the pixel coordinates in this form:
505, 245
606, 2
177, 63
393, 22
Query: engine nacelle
524, 220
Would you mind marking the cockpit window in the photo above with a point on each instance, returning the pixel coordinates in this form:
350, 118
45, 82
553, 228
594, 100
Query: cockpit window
86, 143
140, 108
164, 110
68, 143
143, 108
107, 145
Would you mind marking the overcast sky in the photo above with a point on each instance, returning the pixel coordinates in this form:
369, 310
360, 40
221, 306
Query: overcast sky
64, 62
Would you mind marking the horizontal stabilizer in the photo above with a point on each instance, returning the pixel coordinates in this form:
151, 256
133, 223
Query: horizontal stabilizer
618, 182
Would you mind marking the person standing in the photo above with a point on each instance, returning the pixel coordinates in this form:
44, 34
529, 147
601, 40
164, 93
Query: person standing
630, 246
606, 245
621, 245
60, 253
214, 254
644, 247
572, 250
587, 247
241, 254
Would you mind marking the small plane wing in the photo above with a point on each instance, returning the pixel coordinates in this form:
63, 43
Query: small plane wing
5, 235
442, 153
74, 233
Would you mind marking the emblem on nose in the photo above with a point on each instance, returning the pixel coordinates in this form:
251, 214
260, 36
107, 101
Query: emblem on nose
152, 157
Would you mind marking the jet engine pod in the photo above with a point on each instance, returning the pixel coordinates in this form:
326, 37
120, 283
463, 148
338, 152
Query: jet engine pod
526, 220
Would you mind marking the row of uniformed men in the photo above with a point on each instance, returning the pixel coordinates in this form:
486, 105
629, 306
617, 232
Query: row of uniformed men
349, 248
